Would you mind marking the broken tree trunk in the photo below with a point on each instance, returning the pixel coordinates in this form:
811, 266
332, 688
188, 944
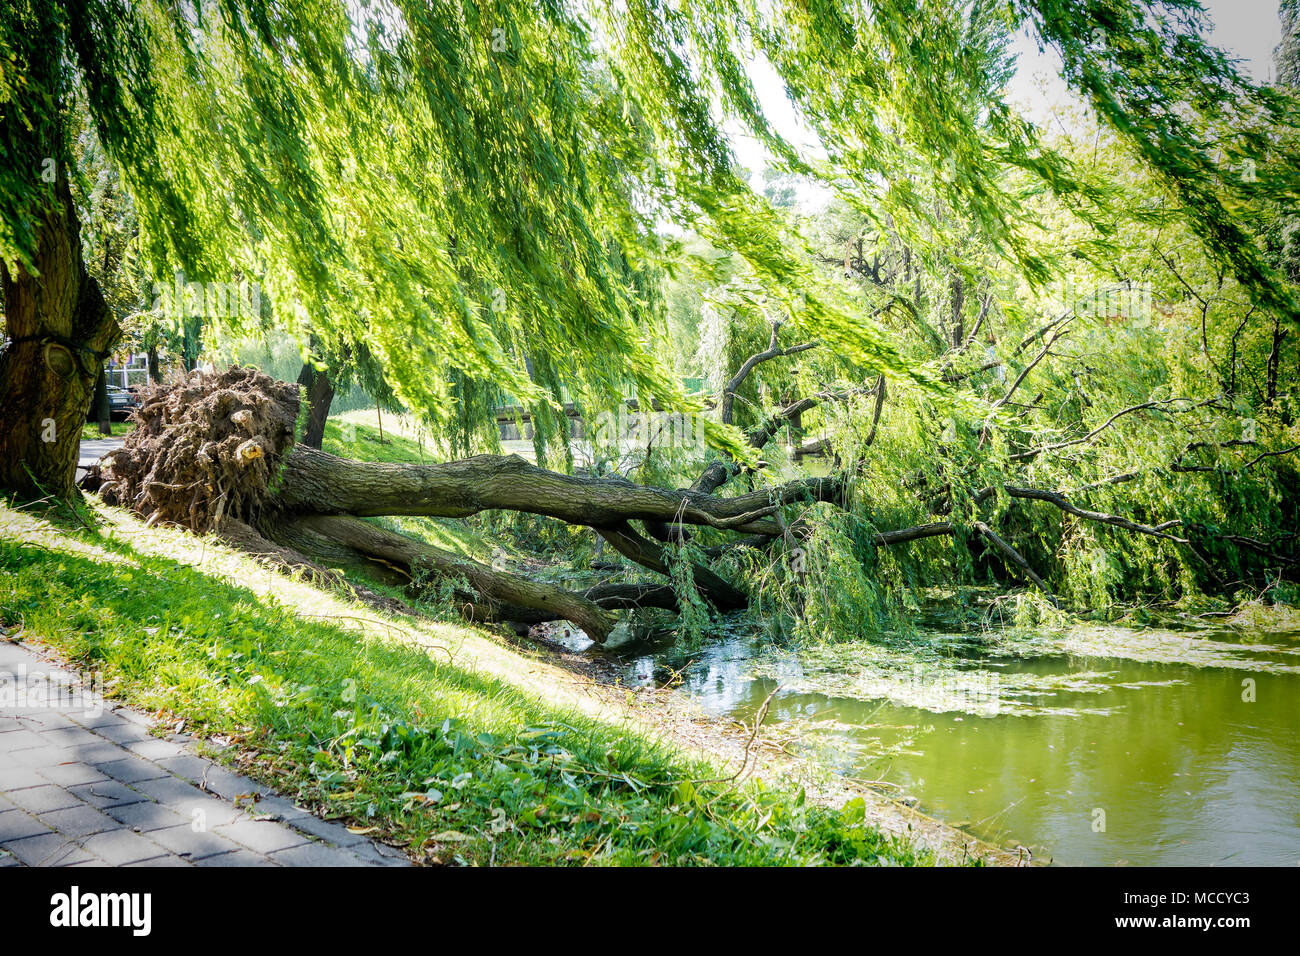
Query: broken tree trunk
318, 483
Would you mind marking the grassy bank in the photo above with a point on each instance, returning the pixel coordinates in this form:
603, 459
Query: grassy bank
436, 735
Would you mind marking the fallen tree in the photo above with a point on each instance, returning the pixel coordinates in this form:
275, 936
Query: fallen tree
217, 453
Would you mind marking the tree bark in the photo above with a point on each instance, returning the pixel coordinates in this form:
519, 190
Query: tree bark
155, 370
60, 331
320, 394
335, 537
316, 483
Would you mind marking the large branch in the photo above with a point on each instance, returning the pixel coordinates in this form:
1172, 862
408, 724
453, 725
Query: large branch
323, 535
724, 595
773, 351
1154, 403
720, 471
1016, 558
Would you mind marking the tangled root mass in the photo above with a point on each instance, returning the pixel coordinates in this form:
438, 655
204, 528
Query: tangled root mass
205, 447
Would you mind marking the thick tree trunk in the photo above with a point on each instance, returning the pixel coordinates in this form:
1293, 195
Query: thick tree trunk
155, 370
60, 330
313, 482
320, 394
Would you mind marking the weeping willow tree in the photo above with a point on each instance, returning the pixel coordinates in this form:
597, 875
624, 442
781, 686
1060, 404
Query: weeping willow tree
469, 192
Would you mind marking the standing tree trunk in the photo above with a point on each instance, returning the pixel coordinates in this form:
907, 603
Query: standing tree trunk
103, 409
320, 393
155, 371
60, 331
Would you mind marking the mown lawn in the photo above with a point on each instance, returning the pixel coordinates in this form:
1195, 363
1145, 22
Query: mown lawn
90, 430
390, 723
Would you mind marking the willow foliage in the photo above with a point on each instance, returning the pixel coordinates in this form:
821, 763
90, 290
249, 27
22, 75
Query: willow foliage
469, 189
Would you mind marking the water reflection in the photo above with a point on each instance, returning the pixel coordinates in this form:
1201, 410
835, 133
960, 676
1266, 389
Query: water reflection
1102, 747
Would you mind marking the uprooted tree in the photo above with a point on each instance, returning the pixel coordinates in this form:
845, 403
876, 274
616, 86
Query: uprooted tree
216, 453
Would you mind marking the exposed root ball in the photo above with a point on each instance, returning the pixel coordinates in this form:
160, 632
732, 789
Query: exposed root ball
205, 447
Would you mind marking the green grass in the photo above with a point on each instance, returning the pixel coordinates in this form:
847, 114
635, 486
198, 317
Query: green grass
431, 734
90, 430
357, 435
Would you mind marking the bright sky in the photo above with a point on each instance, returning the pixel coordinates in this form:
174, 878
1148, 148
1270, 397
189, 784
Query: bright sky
1246, 29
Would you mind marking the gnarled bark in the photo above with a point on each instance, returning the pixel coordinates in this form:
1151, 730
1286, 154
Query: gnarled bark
59, 330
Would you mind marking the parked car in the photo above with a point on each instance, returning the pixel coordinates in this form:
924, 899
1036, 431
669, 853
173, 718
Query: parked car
121, 403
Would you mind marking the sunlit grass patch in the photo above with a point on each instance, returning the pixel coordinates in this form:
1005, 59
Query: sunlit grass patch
391, 723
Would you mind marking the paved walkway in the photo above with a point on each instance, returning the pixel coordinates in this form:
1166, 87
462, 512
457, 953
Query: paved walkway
93, 450
83, 784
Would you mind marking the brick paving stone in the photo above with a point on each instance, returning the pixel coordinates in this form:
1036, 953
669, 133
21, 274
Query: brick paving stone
102, 721
168, 860
170, 790
36, 721
315, 854
147, 816
120, 847
278, 808
107, 793
69, 774
237, 858
71, 737
186, 766
187, 842
135, 717
18, 825
131, 769
50, 849
186, 799
44, 798
73, 855
261, 835
377, 854
79, 821
230, 786
155, 749
336, 833
24, 739
38, 757
105, 751
15, 777
125, 733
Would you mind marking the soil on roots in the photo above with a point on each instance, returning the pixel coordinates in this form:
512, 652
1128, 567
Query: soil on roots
204, 447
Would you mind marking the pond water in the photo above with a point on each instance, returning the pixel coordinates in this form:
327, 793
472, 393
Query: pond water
1092, 746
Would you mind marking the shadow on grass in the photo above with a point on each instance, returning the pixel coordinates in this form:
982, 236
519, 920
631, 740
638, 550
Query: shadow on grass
457, 764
